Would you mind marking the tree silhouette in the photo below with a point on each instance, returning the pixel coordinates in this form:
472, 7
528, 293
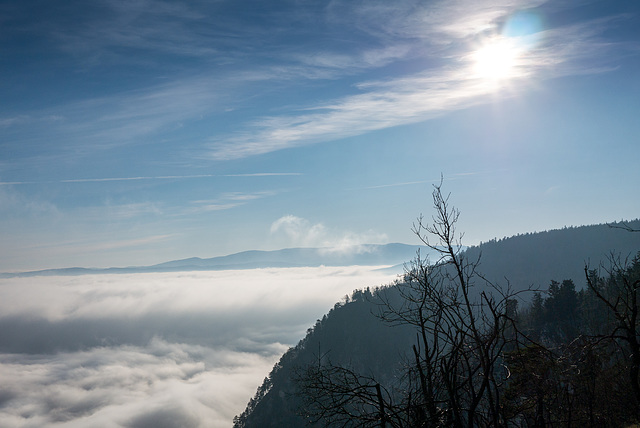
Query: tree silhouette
619, 293
464, 326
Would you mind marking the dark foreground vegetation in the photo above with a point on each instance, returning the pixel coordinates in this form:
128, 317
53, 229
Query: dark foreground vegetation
449, 346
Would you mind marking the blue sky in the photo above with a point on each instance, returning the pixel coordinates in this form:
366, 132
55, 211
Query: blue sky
135, 132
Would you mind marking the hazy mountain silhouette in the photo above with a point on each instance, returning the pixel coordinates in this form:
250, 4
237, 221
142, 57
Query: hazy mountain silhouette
362, 255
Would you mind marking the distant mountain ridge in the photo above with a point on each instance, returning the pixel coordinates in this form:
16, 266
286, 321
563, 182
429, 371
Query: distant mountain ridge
526, 259
361, 255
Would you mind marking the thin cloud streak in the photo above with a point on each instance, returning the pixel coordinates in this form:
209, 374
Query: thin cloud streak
408, 183
160, 177
264, 174
455, 176
98, 246
227, 201
87, 246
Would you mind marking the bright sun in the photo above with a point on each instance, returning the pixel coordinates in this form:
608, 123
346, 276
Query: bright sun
496, 60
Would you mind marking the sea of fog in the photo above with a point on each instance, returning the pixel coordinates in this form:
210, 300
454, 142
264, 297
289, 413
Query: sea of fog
184, 349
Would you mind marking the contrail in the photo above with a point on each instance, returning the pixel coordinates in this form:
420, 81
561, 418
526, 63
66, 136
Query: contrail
161, 177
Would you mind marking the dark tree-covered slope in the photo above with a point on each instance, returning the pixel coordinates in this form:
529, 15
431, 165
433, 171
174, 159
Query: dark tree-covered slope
352, 336
534, 259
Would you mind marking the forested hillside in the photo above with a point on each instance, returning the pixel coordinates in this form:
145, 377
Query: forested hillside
538, 258
521, 339
349, 334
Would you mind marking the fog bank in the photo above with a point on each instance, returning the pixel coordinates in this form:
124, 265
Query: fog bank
183, 349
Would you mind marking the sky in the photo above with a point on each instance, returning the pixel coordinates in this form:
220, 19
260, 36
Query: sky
136, 132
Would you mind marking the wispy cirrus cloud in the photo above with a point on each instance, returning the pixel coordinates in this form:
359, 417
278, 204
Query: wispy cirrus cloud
90, 126
228, 201
434, 25
381, 104
393, 103
15, 204
153, 114
143, 25
88, 245
6, 122
356, 61
439, 34
158, 26
114, 244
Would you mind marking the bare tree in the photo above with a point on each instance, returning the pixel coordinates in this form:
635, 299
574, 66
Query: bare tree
338, 396
624, 226
619, 293
464, 326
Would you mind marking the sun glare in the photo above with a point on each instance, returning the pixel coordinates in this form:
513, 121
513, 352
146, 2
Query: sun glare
496, 60
504, 55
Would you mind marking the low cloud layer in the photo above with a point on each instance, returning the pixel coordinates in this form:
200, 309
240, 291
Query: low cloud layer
153, 350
